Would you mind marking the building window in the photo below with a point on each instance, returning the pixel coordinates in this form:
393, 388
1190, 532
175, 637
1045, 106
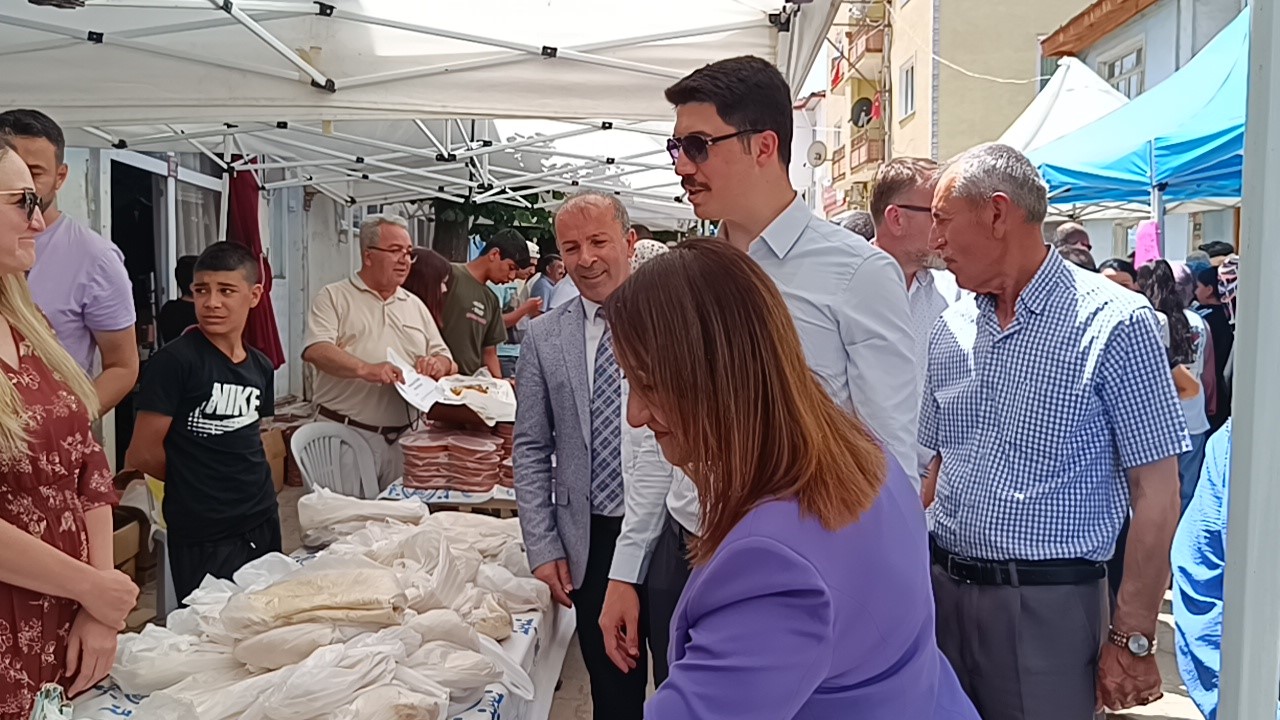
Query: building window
907, 90
1048, 66
1125, 70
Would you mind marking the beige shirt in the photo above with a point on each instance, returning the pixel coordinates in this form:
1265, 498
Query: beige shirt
358, 321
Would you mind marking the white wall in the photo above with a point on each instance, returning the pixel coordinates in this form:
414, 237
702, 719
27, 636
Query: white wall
802, 174
1172, 31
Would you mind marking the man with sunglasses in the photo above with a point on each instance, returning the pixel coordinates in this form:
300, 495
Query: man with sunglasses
731, 148
79, 280
351, 325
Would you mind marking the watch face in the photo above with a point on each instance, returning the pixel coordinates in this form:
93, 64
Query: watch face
1139, 645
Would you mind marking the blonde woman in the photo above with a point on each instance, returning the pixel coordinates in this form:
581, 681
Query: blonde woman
61, 601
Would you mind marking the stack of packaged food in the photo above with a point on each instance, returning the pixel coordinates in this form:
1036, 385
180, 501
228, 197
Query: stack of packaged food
460, 460
506, 472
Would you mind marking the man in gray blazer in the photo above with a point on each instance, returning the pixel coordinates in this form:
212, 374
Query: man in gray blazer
571, 399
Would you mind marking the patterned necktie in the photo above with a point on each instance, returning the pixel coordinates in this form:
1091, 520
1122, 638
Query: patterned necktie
606, 429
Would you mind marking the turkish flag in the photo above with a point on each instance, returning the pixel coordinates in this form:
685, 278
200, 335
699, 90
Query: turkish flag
877, 112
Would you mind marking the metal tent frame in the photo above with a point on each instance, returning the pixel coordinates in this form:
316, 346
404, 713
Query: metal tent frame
311, 135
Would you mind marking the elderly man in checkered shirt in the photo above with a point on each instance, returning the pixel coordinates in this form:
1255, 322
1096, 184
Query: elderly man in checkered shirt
1049, 402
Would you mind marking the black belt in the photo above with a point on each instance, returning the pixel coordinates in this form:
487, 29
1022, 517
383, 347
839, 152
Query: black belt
1016, 572
390, 434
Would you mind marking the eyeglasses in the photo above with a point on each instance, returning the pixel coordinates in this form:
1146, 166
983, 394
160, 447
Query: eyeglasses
696, 147
397, 253
30, 200
914, 208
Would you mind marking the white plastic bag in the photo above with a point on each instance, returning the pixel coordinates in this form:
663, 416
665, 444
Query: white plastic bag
393, 702
219, 695
357, 596
157, 659
448, 626
460, 670
327, 680
325, 516
518, 594
515, 560
291, 644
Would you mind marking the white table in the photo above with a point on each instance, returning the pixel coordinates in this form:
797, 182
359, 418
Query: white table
499, 494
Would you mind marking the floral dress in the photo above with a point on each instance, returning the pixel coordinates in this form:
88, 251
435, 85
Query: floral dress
46, 493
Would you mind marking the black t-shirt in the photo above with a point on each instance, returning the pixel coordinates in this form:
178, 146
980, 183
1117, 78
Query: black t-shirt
217, 480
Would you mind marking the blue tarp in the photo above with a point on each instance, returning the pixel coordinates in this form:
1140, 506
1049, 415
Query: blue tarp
1185, 135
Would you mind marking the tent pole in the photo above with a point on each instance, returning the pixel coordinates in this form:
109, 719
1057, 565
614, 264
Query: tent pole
226, 188
1157, 199
1251, 620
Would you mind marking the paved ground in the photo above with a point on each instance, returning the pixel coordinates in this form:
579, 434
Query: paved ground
573, 700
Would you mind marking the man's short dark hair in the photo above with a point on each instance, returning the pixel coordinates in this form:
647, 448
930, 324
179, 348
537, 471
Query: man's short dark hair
229, 257
544, 262
1079, 257
896, 177
510, 245
1218, 248
1069, 234
859, 223
184, 271
749, 93
642, 232
34, 124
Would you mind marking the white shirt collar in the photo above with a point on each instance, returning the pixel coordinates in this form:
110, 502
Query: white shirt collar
781, 234
590, 308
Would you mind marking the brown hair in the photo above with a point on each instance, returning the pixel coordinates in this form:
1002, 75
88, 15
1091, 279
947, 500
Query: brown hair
428, 271
896, 177
723, 362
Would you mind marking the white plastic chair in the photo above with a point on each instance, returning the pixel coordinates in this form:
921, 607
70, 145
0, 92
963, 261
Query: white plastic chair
318, 448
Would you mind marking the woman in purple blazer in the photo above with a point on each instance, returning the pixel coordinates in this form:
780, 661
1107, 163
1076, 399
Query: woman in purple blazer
810, 596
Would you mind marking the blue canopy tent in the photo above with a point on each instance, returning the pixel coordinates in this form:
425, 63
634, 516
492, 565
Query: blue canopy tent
1182, 140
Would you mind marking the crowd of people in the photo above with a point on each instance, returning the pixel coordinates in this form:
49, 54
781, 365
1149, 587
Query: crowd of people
924, 466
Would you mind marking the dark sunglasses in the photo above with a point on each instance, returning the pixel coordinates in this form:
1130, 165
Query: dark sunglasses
30, 200
696, 147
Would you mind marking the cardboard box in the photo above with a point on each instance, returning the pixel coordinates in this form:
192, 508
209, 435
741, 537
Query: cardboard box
129, 567
277, 452
127, 539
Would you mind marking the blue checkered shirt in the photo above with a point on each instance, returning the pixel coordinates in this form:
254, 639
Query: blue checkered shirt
1037, 423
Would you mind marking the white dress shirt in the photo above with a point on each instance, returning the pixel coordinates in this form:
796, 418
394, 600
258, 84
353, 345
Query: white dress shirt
932, 292
849, 303
646, 475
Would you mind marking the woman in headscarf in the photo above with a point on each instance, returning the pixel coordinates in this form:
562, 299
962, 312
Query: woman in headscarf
645, 251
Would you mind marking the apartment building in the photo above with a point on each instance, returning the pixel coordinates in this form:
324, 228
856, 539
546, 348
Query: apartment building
958, 75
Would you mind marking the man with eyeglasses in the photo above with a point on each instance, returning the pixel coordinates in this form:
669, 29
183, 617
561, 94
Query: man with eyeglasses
473, 322
351, 325
731, 148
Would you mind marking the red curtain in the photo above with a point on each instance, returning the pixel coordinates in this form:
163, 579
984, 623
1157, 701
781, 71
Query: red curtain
242, 228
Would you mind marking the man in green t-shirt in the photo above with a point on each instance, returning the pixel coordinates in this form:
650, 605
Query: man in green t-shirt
473, 326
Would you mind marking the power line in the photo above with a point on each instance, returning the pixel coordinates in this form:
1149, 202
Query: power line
898, 24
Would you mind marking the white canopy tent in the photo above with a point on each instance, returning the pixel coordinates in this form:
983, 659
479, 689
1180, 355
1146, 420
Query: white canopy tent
385, 100
1074, 97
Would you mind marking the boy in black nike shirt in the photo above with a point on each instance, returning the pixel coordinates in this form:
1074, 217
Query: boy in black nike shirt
201, 398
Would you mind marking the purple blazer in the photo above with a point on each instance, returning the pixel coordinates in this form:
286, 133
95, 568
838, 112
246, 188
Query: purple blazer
787, 620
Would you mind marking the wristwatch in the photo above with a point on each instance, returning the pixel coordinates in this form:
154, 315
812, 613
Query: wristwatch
1137, 644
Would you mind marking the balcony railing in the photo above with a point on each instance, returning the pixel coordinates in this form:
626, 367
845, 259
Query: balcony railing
867, 146
867, 42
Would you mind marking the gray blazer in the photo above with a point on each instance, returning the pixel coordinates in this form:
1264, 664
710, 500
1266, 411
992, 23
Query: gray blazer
553, 416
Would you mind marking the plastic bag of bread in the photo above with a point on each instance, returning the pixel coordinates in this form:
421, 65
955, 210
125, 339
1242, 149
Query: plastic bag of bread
360, 593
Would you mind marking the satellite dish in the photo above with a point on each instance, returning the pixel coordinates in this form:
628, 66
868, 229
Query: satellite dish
817, 153
860, 114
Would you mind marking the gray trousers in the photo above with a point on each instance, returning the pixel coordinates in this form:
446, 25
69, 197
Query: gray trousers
1023, 653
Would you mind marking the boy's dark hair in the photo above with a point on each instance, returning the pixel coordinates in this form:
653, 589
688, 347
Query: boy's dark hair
642, 232
184, 272
1119, 265
510, 245
229, 257
34, 124
748, 93
545, 261
1218, 248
